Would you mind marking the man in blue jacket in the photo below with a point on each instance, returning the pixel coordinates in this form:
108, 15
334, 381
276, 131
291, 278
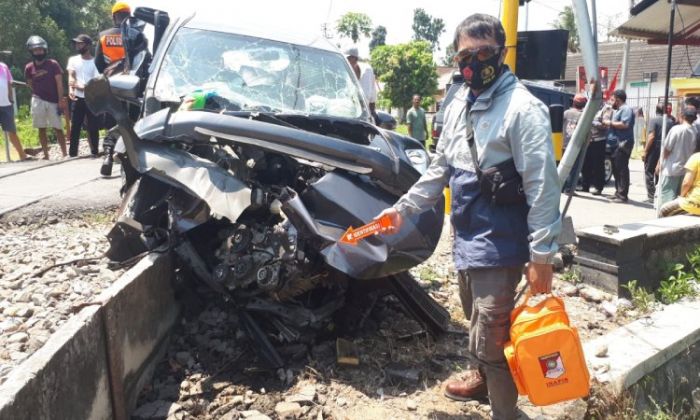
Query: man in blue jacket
493, 242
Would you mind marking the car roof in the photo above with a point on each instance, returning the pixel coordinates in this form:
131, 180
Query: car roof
309, 39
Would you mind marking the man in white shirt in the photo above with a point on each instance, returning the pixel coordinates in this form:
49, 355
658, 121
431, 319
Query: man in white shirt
7, 110
365, 75
81, 68
676, 148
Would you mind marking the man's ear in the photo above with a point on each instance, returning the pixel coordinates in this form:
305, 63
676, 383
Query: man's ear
503, 55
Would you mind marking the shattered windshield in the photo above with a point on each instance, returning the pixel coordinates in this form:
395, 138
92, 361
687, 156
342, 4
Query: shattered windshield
255, 74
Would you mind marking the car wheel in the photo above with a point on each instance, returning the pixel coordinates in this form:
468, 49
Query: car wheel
608, 169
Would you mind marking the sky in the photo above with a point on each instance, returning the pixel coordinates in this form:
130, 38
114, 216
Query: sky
396, 16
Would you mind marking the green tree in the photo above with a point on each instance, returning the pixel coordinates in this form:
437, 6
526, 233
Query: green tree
568, 21
378, 37
448, 59
354, 25
405, 70
427, 28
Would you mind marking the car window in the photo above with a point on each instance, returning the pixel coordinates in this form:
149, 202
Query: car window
258, 74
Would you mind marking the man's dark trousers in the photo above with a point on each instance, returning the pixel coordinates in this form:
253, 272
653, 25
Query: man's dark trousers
594, 166
649, 172
79, 114
621, 171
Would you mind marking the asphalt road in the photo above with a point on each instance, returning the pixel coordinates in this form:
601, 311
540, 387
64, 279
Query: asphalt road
588, 210
72, 183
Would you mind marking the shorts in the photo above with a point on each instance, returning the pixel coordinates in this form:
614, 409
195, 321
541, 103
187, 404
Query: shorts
7, 119
45, 114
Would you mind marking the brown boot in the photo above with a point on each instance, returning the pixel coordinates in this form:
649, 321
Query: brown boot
471, 387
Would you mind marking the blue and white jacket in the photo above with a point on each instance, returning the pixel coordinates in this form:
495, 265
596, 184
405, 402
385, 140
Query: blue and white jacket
508, 121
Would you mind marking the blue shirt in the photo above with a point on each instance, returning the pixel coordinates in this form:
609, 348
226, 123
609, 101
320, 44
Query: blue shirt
615, 135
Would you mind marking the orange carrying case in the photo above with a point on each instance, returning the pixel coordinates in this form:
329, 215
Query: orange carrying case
544, 353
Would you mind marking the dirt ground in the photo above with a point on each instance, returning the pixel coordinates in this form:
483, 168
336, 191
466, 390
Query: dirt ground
211, 370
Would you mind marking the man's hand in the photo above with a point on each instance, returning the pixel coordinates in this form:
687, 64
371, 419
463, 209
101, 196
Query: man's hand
396, 219
539, 277
63, 104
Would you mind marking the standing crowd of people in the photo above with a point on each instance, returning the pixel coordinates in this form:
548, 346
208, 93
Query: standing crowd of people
669, 167
45, 78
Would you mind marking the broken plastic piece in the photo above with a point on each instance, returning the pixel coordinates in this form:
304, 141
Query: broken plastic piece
346, 352
352, 236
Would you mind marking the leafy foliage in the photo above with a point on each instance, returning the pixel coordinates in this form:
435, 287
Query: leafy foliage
378, 37
405, 70
447, 60
354, 25
57, 21
642, 299
681, 280
568, 22
427, 28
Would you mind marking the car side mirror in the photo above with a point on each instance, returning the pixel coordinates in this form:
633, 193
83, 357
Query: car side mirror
126, 87
102, 95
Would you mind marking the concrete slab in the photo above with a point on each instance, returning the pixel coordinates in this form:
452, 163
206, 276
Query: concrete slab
8, 169
24, 188
94, 366
637, 251
639, 348
14, 168
140, 311
66, 379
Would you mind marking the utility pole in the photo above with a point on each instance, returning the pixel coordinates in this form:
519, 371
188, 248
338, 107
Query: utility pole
664, 128
626, 57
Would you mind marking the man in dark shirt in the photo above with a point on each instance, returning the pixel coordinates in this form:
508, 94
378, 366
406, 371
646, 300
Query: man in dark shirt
45, 79
571, 117
621, 133
652, 150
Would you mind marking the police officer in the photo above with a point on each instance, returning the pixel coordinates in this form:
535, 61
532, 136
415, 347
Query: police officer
109, 59
109, 53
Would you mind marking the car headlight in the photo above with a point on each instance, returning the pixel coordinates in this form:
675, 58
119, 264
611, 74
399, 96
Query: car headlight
418, 158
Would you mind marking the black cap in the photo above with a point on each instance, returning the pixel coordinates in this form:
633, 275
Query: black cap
85, 39
690, 112
620, 94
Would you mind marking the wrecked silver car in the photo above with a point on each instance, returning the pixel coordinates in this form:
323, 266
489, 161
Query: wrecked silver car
251, 158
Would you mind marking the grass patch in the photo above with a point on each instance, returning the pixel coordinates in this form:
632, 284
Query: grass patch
572, 275
426, 273
641, 298
98, 218
680, 281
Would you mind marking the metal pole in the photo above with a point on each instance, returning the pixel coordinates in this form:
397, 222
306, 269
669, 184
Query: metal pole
510, 24
527, 15
625, 58
664, 127
589, 51
7, 147
594, 22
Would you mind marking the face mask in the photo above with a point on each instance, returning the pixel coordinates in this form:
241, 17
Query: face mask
39, 57
481, 74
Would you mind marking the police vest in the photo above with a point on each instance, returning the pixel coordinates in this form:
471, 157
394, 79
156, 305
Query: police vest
112, 46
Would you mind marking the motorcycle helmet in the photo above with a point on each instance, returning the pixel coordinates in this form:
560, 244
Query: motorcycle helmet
35, 41
121, 6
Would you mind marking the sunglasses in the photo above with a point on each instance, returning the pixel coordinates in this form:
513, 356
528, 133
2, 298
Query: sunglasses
481, 54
